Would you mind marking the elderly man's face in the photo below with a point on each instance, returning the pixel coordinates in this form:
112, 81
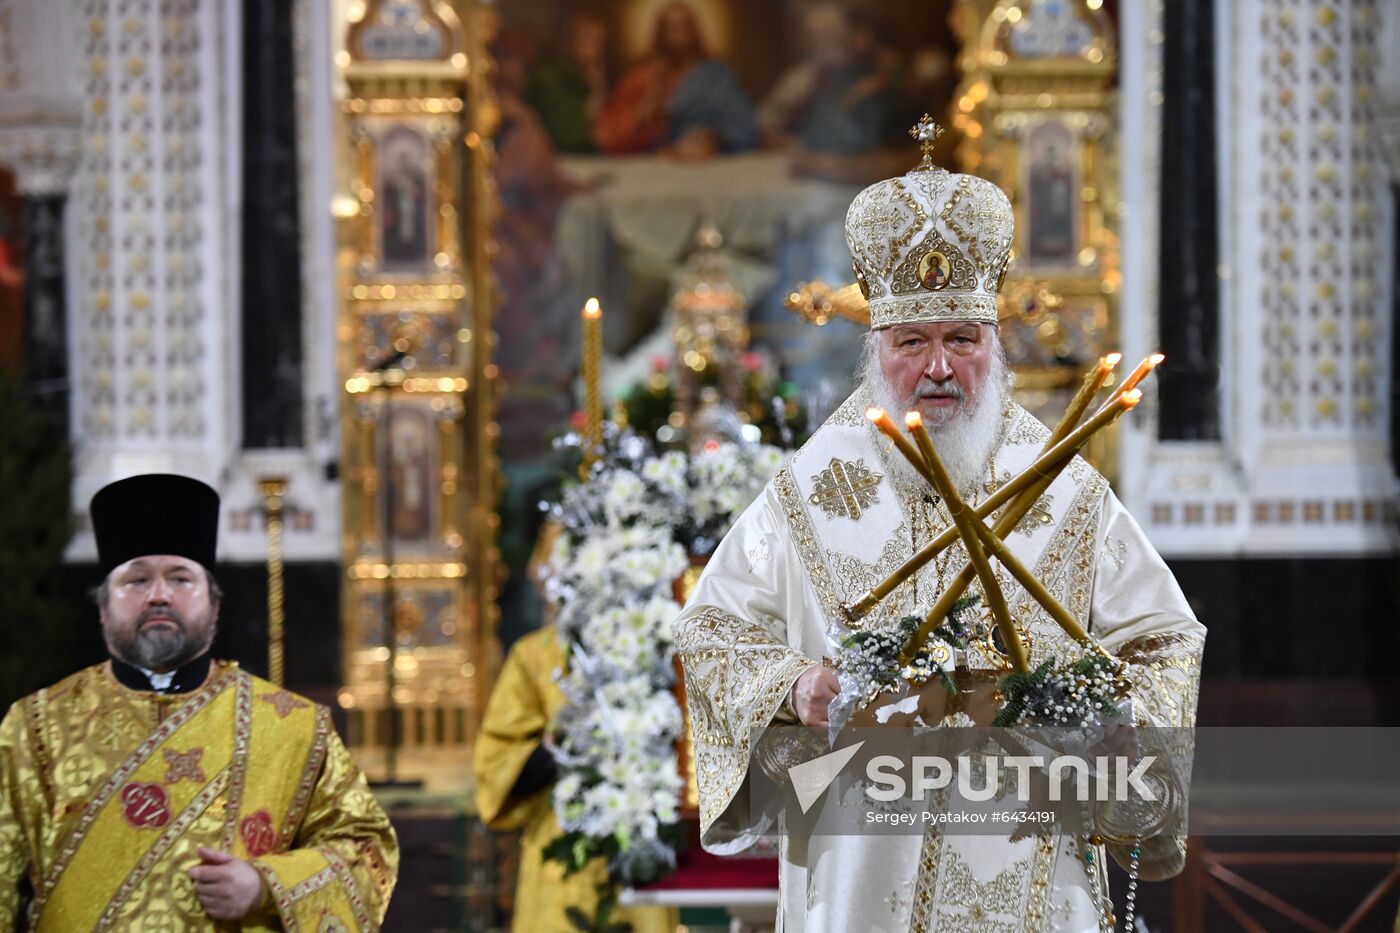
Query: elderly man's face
941, 368
159, 613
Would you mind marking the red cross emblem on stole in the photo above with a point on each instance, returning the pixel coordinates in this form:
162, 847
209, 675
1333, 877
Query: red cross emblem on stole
145, 806
256, 831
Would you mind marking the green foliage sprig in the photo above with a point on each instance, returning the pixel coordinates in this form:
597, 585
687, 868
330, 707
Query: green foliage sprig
1073, 694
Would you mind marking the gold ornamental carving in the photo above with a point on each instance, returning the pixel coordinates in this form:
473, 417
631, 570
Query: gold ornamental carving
422, 571
1036, 113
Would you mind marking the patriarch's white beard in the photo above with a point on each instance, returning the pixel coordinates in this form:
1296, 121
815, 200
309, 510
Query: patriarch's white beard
966, 441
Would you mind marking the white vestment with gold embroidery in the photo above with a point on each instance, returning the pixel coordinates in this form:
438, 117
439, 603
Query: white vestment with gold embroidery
766, 609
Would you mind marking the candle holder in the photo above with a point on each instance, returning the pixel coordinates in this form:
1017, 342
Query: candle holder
966, 524
1022, 493
273, 490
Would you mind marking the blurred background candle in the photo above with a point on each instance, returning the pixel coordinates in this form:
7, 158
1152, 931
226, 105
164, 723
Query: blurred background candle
592, 381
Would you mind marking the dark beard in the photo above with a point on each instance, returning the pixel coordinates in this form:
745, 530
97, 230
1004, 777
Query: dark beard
161, 649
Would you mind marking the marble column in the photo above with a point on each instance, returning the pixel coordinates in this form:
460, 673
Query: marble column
134, 111
273, 409
45, 348
1303, 466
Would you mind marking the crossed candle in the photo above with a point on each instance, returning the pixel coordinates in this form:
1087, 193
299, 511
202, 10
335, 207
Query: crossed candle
1022, 493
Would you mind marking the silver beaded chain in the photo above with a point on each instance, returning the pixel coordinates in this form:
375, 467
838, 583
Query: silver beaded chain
1130, 903
1103, 907
1103, 904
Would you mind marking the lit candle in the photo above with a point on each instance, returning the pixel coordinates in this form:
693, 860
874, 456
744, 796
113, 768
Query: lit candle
592, 382
1093, 381
853, 613
882, 420
963, 580
964, 520
1148, 364
1065, 449
1033, 480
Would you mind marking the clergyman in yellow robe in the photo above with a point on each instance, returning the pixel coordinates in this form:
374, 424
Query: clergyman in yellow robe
513, 780
107, 793
164, 791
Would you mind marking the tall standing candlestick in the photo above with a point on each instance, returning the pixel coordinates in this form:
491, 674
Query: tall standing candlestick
592, 383
273, 489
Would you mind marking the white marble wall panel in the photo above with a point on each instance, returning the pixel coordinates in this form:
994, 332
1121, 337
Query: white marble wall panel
1303, 465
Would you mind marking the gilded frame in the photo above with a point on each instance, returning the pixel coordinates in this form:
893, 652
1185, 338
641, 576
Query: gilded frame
415, 346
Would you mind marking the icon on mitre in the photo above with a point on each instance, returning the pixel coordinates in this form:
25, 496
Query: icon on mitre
935, 271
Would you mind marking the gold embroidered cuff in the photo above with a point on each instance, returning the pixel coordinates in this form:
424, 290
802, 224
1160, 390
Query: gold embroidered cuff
787, 713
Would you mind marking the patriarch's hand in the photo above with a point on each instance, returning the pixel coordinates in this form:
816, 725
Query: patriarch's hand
813, 693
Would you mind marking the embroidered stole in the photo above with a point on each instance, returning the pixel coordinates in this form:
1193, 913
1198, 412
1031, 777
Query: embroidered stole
187, 784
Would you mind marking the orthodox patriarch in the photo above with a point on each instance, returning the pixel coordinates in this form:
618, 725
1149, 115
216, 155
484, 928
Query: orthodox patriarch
930, 250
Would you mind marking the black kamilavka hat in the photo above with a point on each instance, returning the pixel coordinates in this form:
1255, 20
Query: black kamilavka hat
155, 513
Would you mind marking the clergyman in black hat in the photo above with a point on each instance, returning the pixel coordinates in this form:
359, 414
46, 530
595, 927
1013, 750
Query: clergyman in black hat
170, 786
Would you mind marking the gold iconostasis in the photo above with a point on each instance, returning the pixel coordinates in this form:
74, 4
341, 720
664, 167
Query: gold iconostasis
417, 411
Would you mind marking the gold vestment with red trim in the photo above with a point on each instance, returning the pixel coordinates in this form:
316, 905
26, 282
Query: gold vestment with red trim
106, 793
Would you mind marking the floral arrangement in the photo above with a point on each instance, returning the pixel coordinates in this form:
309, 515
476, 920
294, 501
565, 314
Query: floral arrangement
870, 661
775, 411
1081, 691
626, 534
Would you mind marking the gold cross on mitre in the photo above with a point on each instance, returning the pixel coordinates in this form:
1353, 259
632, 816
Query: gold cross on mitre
926, 131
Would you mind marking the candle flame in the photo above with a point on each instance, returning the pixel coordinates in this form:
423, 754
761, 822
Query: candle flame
591, 309
875, 414
1131, 398
1112, 360
913, 419
1144, 369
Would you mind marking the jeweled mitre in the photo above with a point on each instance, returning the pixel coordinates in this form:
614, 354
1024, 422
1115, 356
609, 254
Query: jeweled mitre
930, 246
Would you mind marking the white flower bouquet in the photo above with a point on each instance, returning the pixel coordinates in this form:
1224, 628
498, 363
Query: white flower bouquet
627, 534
